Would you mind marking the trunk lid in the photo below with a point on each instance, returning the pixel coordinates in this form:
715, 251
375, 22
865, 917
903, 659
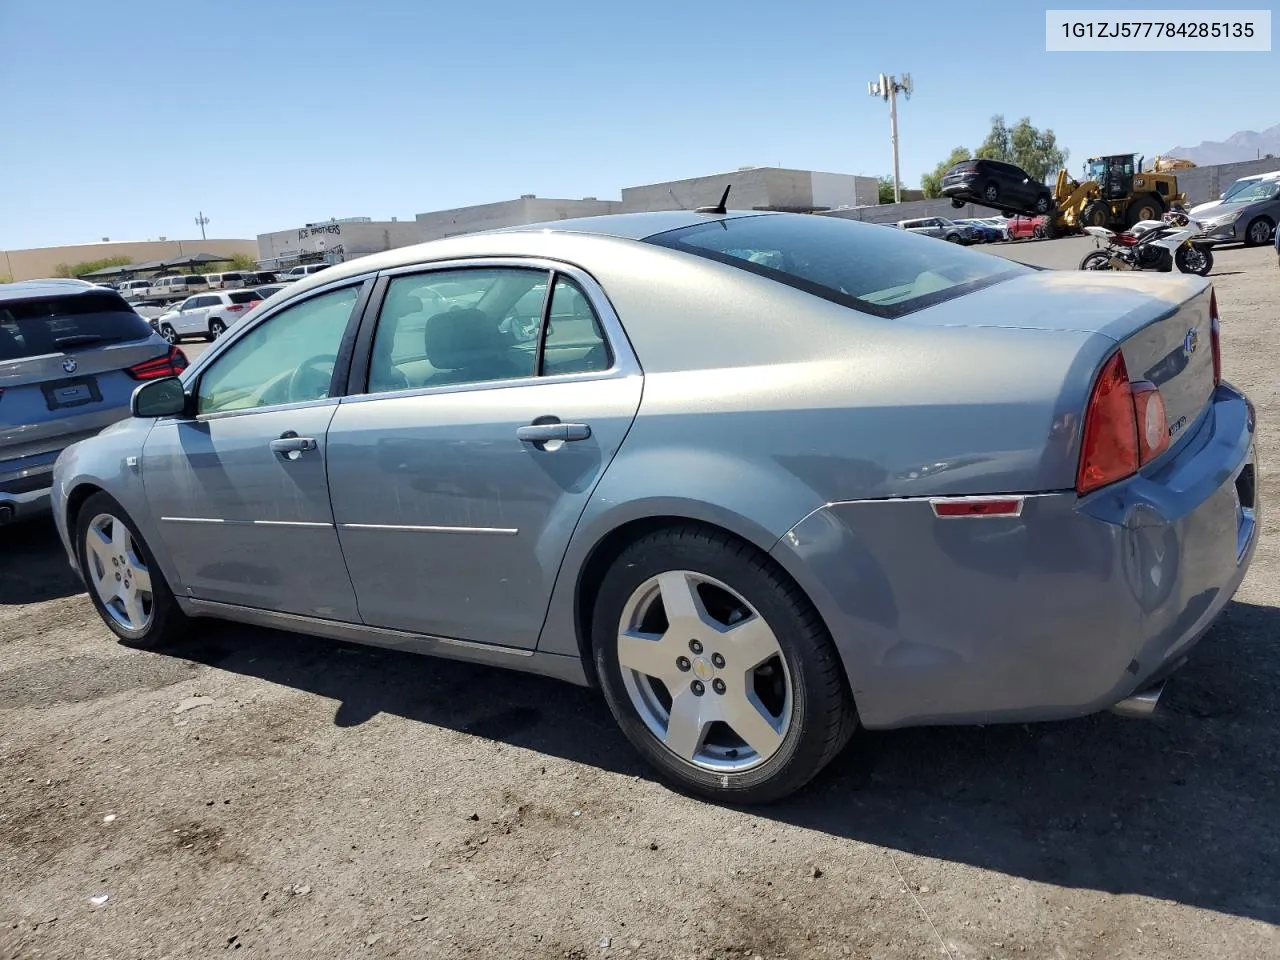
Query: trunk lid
1160, 321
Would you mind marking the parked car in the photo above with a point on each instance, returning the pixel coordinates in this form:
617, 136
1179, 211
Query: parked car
985, 232
231, 280
1231, 191
135, 289
940, 228
994, 183
206, 315
256, 278
1249, 216
268, 289
70, 356
300, 271
177, 285
617, 497
1024, 228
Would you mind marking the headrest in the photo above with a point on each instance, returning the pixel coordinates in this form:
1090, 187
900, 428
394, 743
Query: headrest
458, 339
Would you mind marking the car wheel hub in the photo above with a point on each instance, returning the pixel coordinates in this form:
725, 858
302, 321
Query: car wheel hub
704, 672
118, 574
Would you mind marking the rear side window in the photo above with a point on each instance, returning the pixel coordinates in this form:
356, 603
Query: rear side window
31, 328
244, 296
886, 274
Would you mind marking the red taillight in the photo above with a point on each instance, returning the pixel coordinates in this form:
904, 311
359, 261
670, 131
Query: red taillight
1109, 446
170, 365
1152, 421
977, 507
234, 308
1214, 340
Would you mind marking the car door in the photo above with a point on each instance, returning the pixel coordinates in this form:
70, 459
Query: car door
240, 484
459, 474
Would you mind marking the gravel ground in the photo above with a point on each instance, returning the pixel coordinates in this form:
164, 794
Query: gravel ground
289, 797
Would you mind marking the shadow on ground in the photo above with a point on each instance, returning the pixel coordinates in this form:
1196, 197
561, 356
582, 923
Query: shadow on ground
33, 565
1182, 807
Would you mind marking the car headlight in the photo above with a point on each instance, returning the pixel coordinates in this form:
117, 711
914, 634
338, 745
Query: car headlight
1224, 220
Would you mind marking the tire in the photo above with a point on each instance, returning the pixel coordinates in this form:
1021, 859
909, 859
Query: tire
124, 554
1203, 260
1096, 260
799, 681
1097, 213
216, 329
954, 238
1258, 231
169, 333
1143, 207
1037, 232
958, 204
990, 194
1044, 203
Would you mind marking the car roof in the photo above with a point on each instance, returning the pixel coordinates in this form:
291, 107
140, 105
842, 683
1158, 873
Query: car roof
30, 289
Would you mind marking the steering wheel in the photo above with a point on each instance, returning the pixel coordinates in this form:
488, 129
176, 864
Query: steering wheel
312, 378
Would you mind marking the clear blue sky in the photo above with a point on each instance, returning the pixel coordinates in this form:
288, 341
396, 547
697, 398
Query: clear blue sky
126, 119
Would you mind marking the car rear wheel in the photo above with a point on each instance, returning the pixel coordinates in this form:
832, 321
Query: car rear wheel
1043, 203
717, 667
1258, 231
125, 584
216, 329
991, 193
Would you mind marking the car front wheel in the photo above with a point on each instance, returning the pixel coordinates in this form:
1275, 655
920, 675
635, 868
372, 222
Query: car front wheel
125, 584
717, 667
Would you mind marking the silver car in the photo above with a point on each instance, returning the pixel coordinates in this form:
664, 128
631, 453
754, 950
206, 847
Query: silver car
1248, 216
71, 354
758, 476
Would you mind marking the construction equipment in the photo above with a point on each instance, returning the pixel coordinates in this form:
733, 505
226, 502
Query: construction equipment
1163, 164
1115, 193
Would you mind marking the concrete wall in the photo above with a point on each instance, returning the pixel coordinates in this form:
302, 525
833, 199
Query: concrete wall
338, 240
756, 188
1202, 184
507, 213
893, 212
43, 261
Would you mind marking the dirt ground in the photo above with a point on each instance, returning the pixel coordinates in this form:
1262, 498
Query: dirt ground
271, 795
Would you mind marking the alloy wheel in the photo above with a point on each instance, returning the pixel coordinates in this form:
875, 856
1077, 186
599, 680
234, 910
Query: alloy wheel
704, 672
1259, 232
118, 573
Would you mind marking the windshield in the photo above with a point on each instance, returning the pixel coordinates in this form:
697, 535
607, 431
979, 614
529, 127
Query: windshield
1262, 190
888, 274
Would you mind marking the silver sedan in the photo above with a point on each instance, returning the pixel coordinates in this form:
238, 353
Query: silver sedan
759, 477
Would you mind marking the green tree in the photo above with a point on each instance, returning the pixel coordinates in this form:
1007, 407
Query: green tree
5, 278
242, 261
88, 266
1035, 151
885, 185
931, 183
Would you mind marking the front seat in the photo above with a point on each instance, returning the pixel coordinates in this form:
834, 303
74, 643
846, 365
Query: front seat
466, 346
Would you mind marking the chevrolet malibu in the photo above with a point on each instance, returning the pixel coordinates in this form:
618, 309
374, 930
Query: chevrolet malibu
759, 477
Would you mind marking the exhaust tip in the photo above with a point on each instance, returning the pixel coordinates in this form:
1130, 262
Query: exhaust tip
1141, 704
6, 514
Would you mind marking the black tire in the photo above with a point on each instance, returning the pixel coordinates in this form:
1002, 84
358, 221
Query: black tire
1143, 207
168, 623
1183, 255
1099, 257
823, 717
169, 333
991, 194
1044, 203
958, 204
954, 238
1253, 233
216, 329
1096, 213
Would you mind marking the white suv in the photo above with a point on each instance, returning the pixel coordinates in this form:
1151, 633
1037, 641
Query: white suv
206, 315
300, 271
234, 280
177, 286
134, 289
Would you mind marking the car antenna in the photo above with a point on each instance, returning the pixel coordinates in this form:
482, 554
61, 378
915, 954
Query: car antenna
719, 207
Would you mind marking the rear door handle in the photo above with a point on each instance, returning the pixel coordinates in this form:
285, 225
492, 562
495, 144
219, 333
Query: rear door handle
546, 432
292, 446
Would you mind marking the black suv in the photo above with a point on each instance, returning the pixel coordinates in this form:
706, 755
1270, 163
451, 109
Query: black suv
993, 183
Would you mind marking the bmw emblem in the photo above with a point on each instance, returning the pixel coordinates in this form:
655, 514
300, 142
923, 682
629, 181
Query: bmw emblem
1191, 341
69, 365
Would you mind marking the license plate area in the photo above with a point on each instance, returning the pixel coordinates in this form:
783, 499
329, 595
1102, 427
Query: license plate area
72, 392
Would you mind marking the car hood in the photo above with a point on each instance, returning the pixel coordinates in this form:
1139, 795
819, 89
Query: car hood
1211, 211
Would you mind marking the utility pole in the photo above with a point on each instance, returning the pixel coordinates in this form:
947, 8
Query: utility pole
886, 87
202, 220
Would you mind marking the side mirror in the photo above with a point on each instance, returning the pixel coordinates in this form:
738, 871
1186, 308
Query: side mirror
159, 398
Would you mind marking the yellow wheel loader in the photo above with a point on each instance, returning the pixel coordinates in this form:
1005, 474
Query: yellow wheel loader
1115, 193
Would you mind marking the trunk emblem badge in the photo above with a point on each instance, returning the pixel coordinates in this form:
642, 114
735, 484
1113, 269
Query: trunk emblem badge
69, 365
1191, 341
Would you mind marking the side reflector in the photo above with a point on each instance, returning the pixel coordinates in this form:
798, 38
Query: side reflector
951, 508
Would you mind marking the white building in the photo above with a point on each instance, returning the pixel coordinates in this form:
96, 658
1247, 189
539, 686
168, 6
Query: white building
335, 240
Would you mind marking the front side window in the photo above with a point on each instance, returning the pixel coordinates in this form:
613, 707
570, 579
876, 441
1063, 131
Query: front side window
289, 358
883, 273
452, 327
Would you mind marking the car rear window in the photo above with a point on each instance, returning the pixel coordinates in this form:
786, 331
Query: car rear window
43, 325
887, 274
964, 166
244, 296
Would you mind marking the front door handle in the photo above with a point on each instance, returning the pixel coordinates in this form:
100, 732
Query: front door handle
546, 432
292, 446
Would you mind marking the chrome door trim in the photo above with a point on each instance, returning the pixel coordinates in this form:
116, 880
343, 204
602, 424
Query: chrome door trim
249, 523
413, 528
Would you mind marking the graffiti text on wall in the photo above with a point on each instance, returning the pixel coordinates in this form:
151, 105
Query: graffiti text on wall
333, 228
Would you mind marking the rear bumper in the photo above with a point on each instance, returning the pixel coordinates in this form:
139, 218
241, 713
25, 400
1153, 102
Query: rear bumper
1062, 611
24, 486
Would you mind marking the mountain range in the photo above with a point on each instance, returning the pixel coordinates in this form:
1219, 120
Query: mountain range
1245, 145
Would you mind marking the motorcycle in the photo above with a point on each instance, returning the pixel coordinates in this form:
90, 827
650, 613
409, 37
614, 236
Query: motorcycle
1174, 239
